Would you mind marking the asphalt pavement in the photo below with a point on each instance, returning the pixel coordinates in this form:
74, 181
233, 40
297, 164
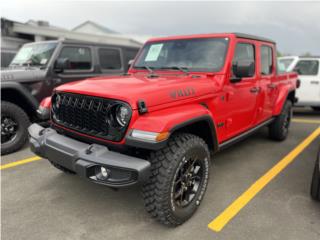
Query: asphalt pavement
39, 202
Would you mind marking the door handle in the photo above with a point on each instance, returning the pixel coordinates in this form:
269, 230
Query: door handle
314, 82
255, 90
272, 86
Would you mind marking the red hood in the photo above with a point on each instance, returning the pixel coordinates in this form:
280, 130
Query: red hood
154, 91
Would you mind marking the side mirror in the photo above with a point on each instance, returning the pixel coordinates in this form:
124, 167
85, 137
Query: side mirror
242, 69
61, 64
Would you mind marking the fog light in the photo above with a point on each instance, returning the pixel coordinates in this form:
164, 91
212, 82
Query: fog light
102, 173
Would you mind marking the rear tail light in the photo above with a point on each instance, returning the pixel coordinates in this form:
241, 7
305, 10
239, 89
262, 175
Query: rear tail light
298, 83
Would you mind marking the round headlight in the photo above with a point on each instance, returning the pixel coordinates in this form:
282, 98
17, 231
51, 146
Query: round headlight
122, 115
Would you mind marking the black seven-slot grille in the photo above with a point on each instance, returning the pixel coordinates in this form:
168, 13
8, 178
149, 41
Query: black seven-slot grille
93, 116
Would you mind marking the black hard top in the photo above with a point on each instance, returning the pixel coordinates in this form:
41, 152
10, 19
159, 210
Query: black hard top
70, 41
253, 37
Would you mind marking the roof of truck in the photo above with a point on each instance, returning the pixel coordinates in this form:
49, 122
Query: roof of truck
248, 36
70, 41
299, 57
238, 35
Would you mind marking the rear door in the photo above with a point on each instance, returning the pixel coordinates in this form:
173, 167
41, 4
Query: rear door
309, 91
243, 94
267, 73
110, 60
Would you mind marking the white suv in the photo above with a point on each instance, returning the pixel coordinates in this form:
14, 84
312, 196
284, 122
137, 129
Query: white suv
308, 68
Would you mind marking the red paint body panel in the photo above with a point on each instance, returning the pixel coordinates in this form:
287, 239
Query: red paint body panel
232, 106
46, 102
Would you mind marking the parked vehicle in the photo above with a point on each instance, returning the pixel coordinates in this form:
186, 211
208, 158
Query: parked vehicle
289, 62
185, 98
40, 67
315, 185
308, 93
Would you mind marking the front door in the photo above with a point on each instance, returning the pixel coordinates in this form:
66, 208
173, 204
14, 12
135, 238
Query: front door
309, 91
80, 66
242, 95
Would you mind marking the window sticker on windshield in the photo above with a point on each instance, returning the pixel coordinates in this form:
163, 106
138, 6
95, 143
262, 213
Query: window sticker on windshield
154, 52
43, 61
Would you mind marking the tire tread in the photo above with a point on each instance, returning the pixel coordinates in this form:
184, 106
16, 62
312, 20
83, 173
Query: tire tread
154, 193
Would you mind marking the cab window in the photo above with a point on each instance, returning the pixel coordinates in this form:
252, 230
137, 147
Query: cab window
307, 67
79, 57
244, 52
266, 60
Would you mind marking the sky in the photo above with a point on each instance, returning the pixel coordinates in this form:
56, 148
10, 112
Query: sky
295, 26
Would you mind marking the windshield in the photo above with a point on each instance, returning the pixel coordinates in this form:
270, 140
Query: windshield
286, 62
37, 54
203, 54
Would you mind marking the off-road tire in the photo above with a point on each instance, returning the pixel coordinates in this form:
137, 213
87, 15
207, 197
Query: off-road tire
279, 128
21, 118
315, 184
158, 191
316, 109
63, 169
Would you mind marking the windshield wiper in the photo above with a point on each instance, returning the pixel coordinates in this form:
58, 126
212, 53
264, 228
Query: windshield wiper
152, 73
182, 69
146, 67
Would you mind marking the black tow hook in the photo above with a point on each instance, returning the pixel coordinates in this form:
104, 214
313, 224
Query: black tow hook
89, 150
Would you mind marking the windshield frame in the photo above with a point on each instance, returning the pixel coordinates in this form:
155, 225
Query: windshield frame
190, 70
54, 49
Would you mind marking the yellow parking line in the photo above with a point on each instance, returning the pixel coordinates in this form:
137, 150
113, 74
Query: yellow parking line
16, 163
301, 120
232, 210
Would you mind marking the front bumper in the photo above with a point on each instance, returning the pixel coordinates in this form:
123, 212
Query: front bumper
86, 159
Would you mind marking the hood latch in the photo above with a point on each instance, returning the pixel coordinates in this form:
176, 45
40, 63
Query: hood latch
142, 107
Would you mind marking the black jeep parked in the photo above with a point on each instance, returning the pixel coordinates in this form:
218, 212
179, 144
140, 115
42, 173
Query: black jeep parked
41, 66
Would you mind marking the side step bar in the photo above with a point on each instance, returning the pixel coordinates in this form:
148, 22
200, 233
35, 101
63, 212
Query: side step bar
244, 135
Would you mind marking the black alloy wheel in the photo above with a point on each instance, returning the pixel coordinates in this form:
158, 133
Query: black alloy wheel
188, 179
14, 125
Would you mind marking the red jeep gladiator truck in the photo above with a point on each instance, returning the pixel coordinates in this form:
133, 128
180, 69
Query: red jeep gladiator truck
183, 99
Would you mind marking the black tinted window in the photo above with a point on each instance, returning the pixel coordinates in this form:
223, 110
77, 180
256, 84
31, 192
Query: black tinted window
244, 52
130, 54
266, 60
307, 67
79, 57
109, 58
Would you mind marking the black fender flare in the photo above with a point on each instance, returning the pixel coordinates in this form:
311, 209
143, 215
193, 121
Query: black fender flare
156, 146
208, 120
30, 100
